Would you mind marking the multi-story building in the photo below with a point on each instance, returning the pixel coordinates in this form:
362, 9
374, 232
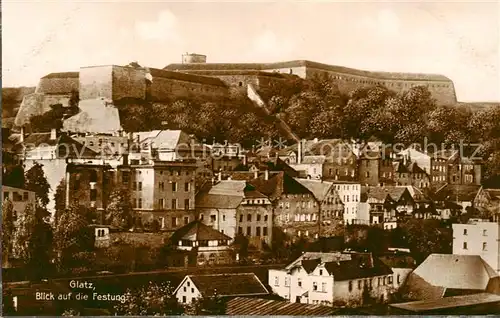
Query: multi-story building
162, 190
333, 279
410, 174
330, 205
296, 210
226, 157
20, 198
388, 203
350, 194
478, 237
460, 198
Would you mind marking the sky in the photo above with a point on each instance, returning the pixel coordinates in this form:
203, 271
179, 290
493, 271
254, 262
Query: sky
457, 39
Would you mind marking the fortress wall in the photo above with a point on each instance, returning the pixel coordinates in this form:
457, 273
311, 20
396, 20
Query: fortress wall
57, 85
96, 82
37, 104
442, 91
300, 71
166, 88
128, 82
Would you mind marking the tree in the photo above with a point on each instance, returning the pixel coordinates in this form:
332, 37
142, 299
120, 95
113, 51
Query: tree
119, 211
207, 305
241, 246
151, 300
13, 175
36, 181
60, 201
8, 229
72, 235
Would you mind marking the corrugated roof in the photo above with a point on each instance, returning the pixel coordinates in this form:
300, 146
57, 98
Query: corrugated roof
449, 302
240, 306
241, 284
197, 231
309, 64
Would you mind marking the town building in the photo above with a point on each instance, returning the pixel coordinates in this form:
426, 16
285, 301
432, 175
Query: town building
225, 286
334, 279
460, 198
388, 203
330, 205
444, 275
20, 198
478, 237
350, 194
296, 210
200, 244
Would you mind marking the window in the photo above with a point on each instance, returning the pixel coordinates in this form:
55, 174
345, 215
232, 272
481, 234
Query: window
186, 204
350, 286
5, 195
485, 246
139, 186
299, 282
321, 272
249, 217
186, 187
25, 196
213, 218
241, 217
287, 281
240, 230
185, 289
264, 231
174, 186
186, 220
315, 286
161, 185
399, 279
160, 203
93, 195
465, 245
258, 217
465, 231
174, 204
192, 290
139, 204
360, 283
276, 281
174, 221
184, 299
249, 230
389, 279
485, 233
323, 287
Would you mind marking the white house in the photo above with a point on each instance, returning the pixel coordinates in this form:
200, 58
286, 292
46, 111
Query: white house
333, 279
193, 287
478, 237
350, 194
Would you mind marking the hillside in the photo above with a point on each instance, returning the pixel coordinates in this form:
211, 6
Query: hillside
478, 106
12, 98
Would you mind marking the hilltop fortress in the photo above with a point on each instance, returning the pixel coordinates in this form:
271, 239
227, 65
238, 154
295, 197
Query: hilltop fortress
194, 77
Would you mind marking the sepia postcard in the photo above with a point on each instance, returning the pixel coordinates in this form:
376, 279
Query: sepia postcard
291, 158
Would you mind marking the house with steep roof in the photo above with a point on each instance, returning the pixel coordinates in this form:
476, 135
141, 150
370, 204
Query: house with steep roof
226, 286
202, 244
444, 275
296, 210
330, 279
387, 203
460, 198
330, 205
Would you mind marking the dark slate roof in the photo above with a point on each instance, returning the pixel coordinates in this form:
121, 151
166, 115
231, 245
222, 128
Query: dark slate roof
360, 266
279, 184
309, 64
65, 143
205, 200
414, 168
240, 306
310, 265
241, 284
461, 192
62, 75
381, 193
197, 231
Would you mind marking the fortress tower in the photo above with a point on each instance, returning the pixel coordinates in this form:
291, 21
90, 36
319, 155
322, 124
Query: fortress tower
192, 58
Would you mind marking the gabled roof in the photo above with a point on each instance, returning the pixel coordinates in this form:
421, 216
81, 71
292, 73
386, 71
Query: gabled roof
494, 194
62, 141
197, 231
417, 194
324, 257
240, 306
217, 201
319, 189
381, 193
310, 265
241, 284
279, 184
459, 192
360, 266
447, 271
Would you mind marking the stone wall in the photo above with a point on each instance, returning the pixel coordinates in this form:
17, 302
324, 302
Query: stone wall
38, 104
128, 82
164, 88
96, 82
57, 85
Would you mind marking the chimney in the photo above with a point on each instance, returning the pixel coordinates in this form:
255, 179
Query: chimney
299, 152
21, 139
266, 174
53, 134
255, 174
